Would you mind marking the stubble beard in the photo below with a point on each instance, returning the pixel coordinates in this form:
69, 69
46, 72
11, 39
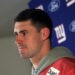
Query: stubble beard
30, 55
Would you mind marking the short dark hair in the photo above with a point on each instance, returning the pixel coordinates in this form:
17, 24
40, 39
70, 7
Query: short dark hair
39, 18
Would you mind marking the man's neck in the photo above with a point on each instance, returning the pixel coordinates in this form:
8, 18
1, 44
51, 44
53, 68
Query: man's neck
44, 51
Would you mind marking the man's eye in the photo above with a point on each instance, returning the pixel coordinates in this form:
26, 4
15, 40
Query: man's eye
24, 33
15, 34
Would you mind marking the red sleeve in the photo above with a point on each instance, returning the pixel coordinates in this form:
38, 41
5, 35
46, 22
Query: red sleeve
69, 67
71, 72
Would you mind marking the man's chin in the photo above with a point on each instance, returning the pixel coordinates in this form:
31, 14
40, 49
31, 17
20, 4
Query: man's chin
23, 57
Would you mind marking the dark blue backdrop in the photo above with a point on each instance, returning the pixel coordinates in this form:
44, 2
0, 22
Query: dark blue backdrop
62, 13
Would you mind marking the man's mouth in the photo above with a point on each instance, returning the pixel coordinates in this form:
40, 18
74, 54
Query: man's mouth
21, 47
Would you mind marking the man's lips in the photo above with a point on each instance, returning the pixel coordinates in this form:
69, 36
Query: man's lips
22, 50
21, 47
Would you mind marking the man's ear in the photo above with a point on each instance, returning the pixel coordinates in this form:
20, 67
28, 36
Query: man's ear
45, 32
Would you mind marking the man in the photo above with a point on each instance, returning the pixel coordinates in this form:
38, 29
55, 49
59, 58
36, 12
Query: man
33, 29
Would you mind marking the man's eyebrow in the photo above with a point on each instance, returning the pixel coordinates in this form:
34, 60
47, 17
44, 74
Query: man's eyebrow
22, 31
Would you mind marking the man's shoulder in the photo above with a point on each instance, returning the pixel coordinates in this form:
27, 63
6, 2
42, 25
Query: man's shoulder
62, 66
66, 61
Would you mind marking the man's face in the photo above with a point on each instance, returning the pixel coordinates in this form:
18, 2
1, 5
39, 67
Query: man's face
28, 39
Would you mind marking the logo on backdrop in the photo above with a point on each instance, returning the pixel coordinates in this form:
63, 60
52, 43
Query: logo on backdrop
72, 26
40, 7
60, 33
70, 2
54, 5
53, 71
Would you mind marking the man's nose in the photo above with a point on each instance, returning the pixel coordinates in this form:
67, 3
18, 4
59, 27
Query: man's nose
18, 40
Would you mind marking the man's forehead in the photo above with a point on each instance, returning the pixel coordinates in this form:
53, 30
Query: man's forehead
22, 24
27, 22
